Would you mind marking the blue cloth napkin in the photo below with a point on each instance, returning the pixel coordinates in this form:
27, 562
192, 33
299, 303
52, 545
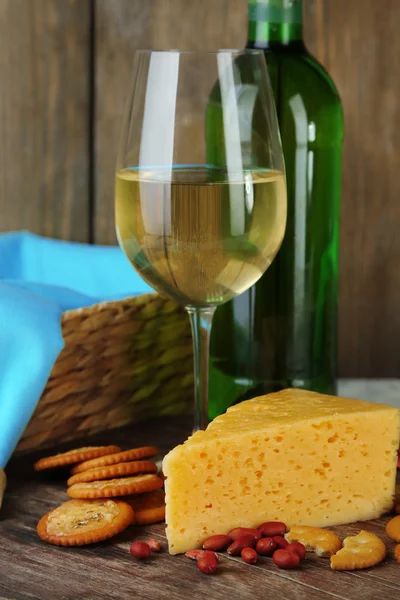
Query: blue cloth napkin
40, 278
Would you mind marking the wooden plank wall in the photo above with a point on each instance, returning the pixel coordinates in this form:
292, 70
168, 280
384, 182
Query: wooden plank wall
64, 72
359, 44
44, 96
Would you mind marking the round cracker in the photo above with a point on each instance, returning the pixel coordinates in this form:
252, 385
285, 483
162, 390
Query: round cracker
393, 529
315, 539
74, 456
81, 522
115, 487
397, 553
359, 552
113, 471
116, 458
149, 508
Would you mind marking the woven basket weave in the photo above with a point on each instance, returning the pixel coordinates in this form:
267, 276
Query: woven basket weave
122, 361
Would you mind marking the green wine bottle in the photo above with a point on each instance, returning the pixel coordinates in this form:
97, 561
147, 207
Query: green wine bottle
283, 331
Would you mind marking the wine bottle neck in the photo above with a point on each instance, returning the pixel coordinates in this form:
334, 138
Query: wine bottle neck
275, 22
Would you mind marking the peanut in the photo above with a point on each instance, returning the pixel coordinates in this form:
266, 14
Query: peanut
246, 541
207, 564
197, 553
271, 528
209, 553
280, 541
249, 556
193, 554
285, 559
154, 544
297, 547
266, 546
239, 532
218, 543
140, 550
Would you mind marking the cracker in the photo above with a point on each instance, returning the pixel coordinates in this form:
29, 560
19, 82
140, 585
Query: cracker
359, 552
315, 539
116, 458
149, 508
81, 522
112, 471
115, 487
74, 456
397, 553
393, 529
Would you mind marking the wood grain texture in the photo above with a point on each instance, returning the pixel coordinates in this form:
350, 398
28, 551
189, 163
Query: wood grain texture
44, 49
31, 568
358, 43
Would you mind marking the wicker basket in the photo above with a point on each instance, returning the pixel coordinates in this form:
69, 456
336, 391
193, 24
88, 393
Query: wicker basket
122, 361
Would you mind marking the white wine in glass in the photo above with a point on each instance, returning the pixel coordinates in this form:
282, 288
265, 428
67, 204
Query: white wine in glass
199, 233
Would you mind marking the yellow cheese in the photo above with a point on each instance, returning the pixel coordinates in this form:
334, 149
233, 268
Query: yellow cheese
294, 456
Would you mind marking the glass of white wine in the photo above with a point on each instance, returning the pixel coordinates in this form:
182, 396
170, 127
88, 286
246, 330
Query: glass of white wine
200, 190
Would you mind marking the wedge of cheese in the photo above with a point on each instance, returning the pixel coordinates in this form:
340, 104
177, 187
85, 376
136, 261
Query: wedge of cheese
294, 456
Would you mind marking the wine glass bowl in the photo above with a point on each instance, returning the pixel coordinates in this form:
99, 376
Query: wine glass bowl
200, 192
200, 236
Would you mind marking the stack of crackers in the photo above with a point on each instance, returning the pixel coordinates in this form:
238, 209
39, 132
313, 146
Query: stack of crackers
111, 489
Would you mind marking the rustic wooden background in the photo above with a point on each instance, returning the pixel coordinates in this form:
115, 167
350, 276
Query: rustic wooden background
64, 69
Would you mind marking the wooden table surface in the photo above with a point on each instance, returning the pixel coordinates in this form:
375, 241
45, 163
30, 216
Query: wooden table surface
31, 569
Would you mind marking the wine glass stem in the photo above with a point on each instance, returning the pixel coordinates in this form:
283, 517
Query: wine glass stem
200, 321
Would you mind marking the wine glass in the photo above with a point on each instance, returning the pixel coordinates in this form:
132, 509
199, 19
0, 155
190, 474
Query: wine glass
200, 191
